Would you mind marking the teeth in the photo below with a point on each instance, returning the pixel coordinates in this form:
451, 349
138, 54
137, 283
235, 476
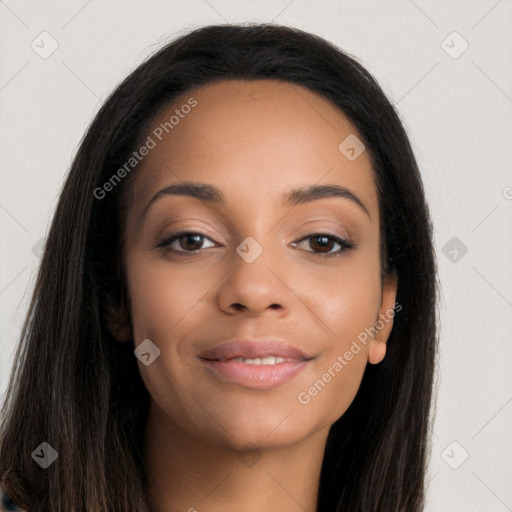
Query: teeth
262, 360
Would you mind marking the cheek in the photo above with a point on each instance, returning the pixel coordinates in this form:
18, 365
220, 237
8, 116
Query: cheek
346, 299
330, 393
347, 308
347, 303
161, 298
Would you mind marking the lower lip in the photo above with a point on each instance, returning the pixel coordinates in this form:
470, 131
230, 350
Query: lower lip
256, 376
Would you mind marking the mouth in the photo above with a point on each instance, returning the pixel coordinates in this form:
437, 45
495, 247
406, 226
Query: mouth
252, 350
262, 360
256, 365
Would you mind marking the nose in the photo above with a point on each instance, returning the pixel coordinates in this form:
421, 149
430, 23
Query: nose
252, 288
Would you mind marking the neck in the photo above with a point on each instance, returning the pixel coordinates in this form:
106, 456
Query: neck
190, 475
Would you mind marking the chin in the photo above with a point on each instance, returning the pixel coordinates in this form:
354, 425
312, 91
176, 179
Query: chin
246, 434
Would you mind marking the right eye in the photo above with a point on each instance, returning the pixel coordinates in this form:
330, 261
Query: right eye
191, 240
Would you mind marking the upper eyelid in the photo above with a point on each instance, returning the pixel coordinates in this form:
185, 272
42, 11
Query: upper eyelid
182, 232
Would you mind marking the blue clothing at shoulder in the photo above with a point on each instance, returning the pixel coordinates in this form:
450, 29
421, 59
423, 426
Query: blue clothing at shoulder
6, 502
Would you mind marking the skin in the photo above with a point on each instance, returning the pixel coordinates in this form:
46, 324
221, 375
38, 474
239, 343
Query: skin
212, 445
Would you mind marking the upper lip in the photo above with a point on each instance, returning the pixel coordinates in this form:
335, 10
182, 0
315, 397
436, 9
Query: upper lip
250, 349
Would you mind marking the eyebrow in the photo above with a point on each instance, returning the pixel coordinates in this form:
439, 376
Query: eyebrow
295, 196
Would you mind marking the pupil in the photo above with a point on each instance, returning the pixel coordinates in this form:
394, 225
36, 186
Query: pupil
188, 239
324, 241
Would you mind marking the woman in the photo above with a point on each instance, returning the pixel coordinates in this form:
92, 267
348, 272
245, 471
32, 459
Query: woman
236, 306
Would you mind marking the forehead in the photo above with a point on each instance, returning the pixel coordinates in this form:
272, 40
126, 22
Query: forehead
253, 139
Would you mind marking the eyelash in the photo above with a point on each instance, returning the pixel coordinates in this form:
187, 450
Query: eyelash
343, 242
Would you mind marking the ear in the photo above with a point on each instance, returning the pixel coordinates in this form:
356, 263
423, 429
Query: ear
117, 319
384, 323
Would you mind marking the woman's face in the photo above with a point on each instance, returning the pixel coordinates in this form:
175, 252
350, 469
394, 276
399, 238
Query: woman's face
255, 266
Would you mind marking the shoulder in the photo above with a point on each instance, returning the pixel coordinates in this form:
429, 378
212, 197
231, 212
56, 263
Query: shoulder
7, 502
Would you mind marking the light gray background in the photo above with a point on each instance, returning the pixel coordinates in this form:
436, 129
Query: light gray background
457, 111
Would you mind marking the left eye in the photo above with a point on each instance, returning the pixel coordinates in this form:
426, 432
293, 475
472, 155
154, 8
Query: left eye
323, 242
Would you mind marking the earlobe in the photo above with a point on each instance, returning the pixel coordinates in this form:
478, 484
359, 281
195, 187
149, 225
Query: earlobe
384, 324
376, 352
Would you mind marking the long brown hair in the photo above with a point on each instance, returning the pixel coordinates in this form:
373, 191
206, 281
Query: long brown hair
77, 389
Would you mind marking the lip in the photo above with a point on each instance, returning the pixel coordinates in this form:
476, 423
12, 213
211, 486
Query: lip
220, 361
251, 349
264, 376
